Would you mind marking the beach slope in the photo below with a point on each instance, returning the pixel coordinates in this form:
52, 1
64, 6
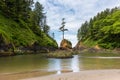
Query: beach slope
84, 75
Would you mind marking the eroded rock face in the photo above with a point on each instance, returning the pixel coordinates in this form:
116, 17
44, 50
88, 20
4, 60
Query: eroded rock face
79, 46
65, 44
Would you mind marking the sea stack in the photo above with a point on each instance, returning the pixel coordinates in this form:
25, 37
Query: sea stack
65, 44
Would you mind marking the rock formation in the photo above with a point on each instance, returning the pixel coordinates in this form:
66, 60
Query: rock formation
65, 44
79, 46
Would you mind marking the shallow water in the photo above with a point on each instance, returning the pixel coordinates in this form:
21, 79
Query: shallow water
26, 63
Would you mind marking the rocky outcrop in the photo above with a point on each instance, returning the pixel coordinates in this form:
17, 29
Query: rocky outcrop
36, 48
65, 44
79, 46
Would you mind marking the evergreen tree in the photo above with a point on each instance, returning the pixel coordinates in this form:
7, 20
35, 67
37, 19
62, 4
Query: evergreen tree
38, 10
16, 9
62, 29
53, 35
46, 29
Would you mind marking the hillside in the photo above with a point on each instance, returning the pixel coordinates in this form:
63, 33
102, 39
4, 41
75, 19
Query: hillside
102, 30
20, 29
20, 36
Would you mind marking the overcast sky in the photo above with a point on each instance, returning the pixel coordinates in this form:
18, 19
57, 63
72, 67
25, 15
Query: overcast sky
75, 13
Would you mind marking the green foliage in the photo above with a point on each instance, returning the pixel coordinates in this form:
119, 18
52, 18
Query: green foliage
22, 36
4, 38
90, 43
103, 29
38, 10
46, 29
16, 9
19, 25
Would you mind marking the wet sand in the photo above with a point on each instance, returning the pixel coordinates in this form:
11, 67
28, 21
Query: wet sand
83, 75
23, 75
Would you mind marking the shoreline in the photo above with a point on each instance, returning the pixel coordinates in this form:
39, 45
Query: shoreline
112, 74
47, 51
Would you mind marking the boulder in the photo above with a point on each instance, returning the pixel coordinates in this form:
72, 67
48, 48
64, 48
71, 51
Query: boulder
65, 44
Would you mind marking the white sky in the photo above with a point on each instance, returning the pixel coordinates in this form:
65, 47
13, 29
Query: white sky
75, 13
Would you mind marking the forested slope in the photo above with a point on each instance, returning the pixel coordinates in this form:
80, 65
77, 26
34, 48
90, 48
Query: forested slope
20, 27
103, 30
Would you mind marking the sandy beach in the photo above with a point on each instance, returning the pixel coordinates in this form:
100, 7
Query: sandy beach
83, 75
